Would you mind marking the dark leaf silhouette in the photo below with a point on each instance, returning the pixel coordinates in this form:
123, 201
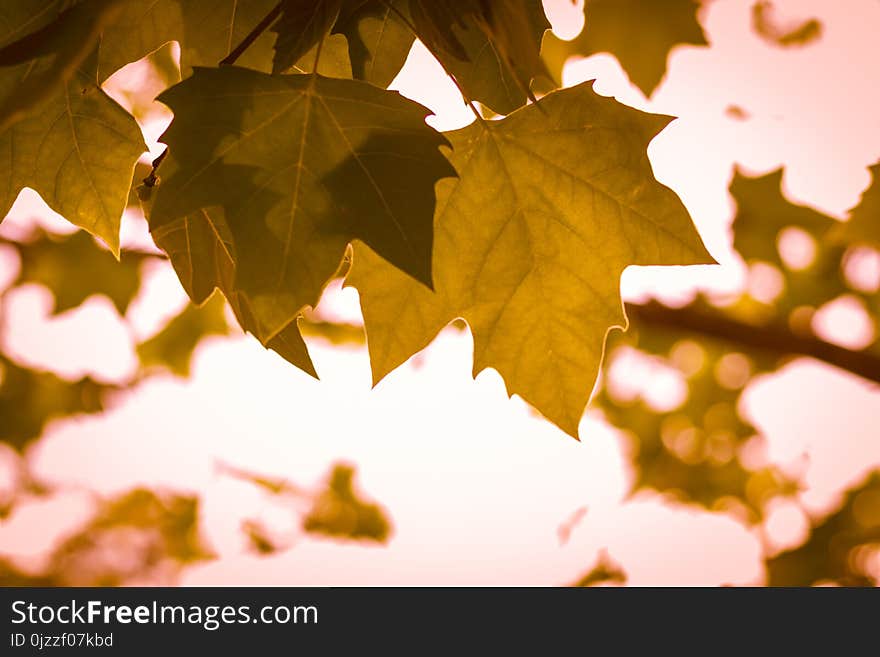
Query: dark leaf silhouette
296, 143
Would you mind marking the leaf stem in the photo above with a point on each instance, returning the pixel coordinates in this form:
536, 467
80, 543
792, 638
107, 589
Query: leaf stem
153, 179
412, 28
252, 36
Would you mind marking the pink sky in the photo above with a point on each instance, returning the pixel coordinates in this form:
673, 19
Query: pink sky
475, 483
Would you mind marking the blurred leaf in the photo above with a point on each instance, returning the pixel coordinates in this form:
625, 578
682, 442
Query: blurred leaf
29, 399
863, 226
763, 215
259, 538
272, 485
762, 212
74, 268
333, 332
76, 147
339, 512
550, 195
839, 548
308, 164
174, 345
694, 449
137, 537
378, 38
606, 571
639, 33
765, 25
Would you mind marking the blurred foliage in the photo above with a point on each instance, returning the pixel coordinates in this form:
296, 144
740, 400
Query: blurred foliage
174, 345
29, 399
863, 226
137, 537
692, 451
338, 511
605, 572
766, 25
335, 510
639, 33
74, 267
699, 450
843, 548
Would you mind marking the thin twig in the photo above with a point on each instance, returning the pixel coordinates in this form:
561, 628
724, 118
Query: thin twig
252, 36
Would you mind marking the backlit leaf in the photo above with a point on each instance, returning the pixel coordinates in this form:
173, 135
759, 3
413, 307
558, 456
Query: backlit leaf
301, 165
201, 250
302, 25
552, 204
207, 31
77, 148
53, 52
378, 38
492, 49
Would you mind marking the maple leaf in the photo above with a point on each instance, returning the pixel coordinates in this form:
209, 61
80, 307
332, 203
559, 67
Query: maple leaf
53, 52
639, 33
203, 255
302, 165
491, 49
378, 38
302, 25
75, 146
205, 29
552, 204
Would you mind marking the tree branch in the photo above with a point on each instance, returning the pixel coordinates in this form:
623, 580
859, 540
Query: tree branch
777, 339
